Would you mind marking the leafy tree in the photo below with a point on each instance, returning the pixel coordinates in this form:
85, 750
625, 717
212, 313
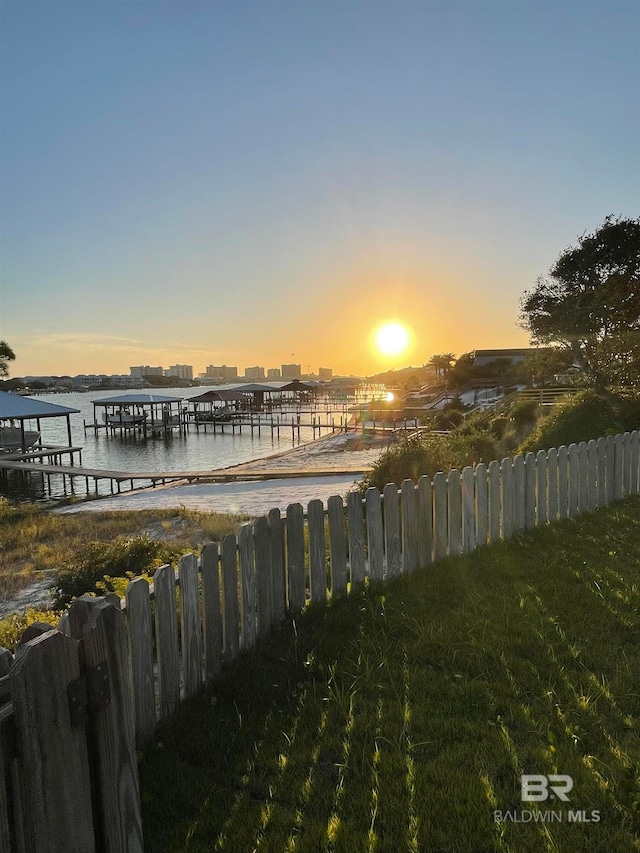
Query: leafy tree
6, 355
589, 303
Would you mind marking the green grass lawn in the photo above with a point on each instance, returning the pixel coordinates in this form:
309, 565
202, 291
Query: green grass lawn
402, 718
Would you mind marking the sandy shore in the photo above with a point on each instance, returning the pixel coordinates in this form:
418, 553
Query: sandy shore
330, 465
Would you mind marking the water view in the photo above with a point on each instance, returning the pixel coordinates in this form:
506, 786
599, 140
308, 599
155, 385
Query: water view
175, 451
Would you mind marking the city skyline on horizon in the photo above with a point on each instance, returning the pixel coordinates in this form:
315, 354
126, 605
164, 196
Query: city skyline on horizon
247, 174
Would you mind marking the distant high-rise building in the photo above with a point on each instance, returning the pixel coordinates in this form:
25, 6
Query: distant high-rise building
182, 371
222, 372
274, 373
291, 371
145, 370
254, 373
325, 373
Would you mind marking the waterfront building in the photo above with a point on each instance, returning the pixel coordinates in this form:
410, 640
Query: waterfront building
144, 370
254, 373
182, 371
221, 373
274, 373
291, 371
325, 373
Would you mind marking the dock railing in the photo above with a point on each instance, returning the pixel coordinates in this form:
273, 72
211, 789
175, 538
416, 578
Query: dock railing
87, 694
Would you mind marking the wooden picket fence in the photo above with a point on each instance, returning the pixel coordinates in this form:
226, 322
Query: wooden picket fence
77, 701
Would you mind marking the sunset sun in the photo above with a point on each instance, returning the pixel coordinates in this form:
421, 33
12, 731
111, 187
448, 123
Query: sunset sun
392, 338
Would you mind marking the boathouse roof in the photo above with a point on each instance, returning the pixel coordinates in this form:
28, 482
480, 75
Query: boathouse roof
136, 400
217, 396
17, 407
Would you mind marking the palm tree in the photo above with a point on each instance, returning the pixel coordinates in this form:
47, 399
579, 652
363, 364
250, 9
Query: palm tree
435, 361
6, 355
447, 360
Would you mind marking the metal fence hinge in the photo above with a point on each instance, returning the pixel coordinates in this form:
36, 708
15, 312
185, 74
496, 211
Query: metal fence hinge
77, 696
99, 686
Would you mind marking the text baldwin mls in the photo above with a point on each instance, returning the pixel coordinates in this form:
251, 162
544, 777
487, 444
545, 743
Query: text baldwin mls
535, 788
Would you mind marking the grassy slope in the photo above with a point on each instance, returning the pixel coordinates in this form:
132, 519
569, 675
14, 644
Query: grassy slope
401, 718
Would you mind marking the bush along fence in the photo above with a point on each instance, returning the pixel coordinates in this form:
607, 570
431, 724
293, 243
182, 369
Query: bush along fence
76, 702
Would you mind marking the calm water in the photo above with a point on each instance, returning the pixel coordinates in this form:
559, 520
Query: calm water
175, 452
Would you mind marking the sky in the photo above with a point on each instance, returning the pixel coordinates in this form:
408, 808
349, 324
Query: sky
259, 183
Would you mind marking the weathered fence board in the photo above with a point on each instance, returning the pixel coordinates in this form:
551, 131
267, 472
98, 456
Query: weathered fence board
375, 546
618, 456
563, 482
409, 513
425, 522
493, 472
552, 485
468, 510
190, 623
626, 464
518, 493
141, 645
391, 530
317, 560
167, 654
211, 611
296, 578
601, 463
112, 728
264, 581
337, 545
541, 488
529, 491
355, 527
454, 497
56, 790
635, 460
506, 489
482, 504
230, 608
609, 455
5, 831
248, 586
573, 469
440, 525
583, 469
592, 476
278, 575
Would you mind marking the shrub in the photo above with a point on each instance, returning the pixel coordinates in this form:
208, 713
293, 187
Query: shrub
409, 459
118, 559
11, 627
588, 415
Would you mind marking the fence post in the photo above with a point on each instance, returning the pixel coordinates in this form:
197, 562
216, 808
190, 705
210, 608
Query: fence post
248, 586
211, 612
391, 529
355, 524
626, 464
573, 481
454, 494
494, 500
279, 582
602, 472
542, 506
482, 504
529, 491
563, 482
112, 728
374, 533
506, 480
409, 527
517, 469
190, 624
296, 582
337, 545
609, 455
440, 532
425, 521
56, 790
592, 475
583, 467
317, 560
552, 484
468, 510
230, 609
635, 454
141, 647
264, 582
164, 586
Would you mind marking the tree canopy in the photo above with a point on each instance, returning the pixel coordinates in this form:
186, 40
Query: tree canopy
589, 303
6, 355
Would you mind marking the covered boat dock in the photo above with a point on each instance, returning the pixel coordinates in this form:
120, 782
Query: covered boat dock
146, 413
